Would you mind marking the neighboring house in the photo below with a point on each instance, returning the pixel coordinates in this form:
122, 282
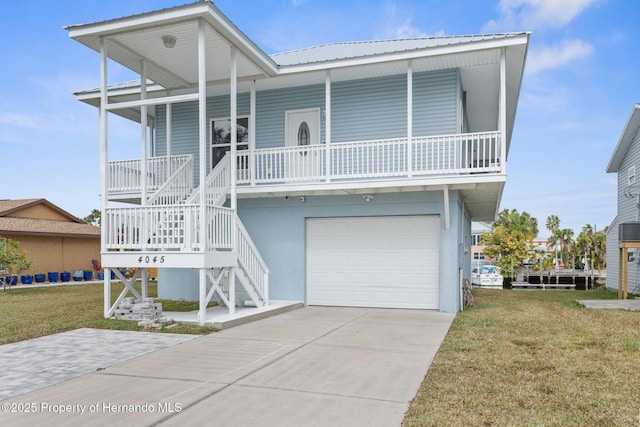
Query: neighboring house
625, 161
356, 168
53, 239
478, 256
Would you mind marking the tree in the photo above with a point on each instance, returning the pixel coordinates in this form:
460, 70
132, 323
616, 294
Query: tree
567, 246
509, 240
592, 246
94, 218
13, 259
522, 225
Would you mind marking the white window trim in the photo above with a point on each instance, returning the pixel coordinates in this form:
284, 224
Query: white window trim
631, 175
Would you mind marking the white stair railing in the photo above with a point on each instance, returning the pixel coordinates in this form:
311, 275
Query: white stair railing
250, 261
217, 184
177, 188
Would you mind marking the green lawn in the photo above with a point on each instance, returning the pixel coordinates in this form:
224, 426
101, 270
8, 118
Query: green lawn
33, 312
534, 358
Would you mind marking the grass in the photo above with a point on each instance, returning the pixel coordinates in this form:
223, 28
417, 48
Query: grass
534, 358
33, 312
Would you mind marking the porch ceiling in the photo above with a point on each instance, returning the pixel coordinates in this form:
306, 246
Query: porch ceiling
136, 38
483, 202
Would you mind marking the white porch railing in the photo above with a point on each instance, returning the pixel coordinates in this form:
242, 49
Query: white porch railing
125, 176
168, 227
432, 155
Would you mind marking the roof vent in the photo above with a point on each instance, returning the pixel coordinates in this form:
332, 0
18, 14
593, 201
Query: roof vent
629, 232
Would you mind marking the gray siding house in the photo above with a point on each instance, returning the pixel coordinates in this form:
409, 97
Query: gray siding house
625, 162
346, 174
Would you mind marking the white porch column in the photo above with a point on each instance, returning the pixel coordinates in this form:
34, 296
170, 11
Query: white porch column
202, 302
327, 125
202, 133
202, 141
409, 118
502, 111
233, 76
104, 168
252, 133
152, 133
143, 134
232, 290
107, 292
169, 140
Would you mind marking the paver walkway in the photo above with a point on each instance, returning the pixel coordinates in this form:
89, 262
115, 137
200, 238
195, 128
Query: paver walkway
33, 364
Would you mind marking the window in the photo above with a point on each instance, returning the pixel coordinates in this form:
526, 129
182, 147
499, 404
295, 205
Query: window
476, 240
478, 255
631, 175
221, 140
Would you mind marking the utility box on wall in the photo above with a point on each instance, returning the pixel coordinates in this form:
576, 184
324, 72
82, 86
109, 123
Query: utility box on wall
629, 232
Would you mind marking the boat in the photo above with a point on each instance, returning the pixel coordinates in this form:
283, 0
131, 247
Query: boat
487, 276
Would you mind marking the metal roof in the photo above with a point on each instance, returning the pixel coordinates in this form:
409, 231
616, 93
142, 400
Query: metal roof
628, 134
352, 50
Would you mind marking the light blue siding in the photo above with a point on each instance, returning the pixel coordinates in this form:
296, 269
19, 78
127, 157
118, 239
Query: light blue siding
278, 228
435, 103
369, 109
271, 106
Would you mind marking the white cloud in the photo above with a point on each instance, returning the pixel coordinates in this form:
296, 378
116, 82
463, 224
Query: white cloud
557, 56
405, 31
534, 14
398, 24
20, 120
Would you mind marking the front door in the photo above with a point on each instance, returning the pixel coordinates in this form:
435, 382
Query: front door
303, 129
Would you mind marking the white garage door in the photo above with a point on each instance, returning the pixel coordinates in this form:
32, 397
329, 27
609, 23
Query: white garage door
389, 261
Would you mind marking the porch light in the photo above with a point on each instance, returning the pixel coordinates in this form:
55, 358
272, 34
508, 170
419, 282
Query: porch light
368, 197
169, 41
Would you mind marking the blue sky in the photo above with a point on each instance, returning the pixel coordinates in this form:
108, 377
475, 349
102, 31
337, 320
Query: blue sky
580, 84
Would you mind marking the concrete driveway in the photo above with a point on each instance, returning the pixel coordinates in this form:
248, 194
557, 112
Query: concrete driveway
316, 366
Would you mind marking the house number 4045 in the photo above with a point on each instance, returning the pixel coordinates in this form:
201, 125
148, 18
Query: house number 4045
151, 260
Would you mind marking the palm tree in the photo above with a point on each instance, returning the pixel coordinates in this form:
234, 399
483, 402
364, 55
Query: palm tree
593, 245
567, 247
553, 225
524, 226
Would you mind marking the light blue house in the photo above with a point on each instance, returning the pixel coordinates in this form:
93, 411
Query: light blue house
625, 162
346, 174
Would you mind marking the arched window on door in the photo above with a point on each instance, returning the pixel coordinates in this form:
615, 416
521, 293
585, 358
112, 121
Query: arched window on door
304, 136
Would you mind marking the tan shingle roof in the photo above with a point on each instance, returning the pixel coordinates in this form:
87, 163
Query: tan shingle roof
44, 226
22, 225
10, 205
